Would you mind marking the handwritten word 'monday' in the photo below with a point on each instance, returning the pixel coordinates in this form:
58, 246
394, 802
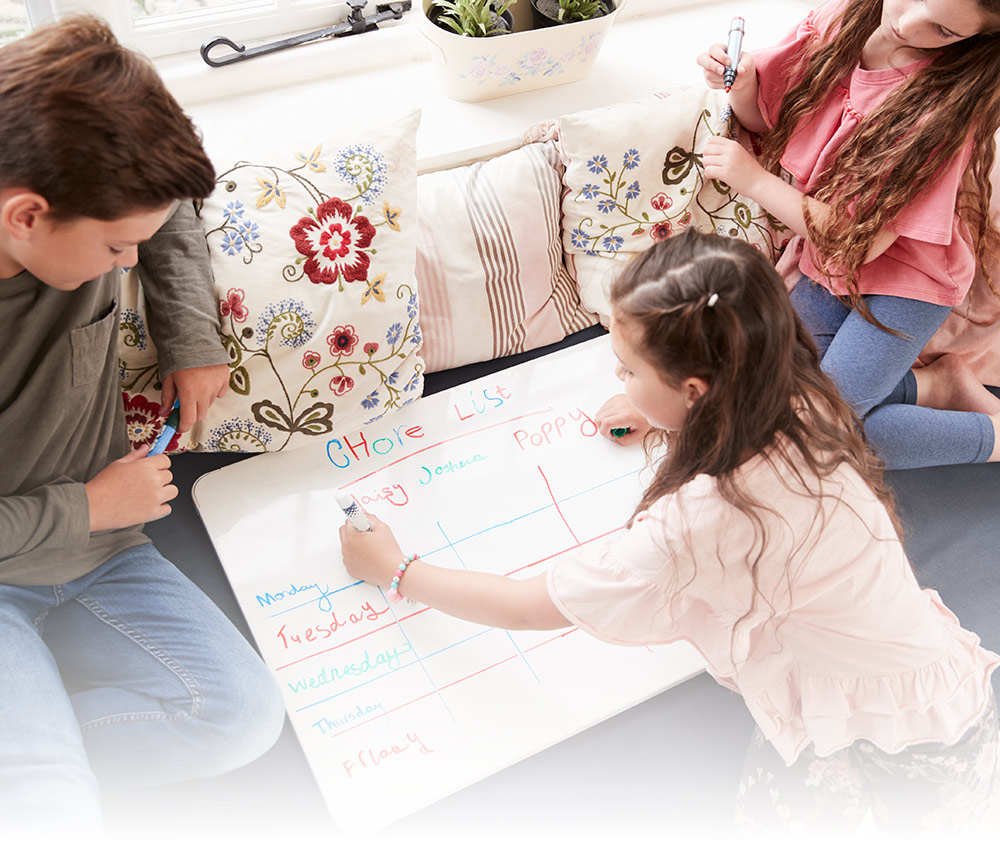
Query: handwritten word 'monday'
266, 600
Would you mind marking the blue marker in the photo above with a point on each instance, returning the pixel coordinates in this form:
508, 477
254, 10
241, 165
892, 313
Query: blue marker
167, 434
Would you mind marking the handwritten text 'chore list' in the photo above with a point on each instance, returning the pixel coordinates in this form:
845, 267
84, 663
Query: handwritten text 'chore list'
393, 701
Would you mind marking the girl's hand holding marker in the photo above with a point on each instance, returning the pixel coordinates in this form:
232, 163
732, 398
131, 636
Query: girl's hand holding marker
736, 74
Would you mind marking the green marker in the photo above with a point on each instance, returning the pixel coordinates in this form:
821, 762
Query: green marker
619, 432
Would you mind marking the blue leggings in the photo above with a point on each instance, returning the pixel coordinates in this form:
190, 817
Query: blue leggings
871, 368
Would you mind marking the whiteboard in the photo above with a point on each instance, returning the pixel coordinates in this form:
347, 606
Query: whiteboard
397, 705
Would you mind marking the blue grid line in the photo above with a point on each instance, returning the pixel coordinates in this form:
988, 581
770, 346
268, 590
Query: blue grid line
506, 631
397, 670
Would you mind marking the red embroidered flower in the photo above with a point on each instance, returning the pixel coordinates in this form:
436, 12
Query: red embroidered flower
661, 202
310, 360
661, 231
142, 422
341, 384
233, 303
685, 220
342, 340
333, 242
370, 348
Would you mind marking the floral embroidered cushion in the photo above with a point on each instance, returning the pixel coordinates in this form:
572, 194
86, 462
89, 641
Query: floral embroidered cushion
312, 249
489, 259
634, 176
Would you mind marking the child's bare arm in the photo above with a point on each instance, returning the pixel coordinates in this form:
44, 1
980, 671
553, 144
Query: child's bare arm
492, 600
130, 491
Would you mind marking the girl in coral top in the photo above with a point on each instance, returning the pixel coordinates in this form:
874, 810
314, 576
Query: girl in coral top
882, 115
768, 540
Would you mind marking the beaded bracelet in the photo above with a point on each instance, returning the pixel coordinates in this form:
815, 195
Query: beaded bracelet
394, 594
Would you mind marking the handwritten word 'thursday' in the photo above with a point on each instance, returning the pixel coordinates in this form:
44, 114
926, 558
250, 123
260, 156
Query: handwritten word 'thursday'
466, 410
330, 724
555, 429
330, 675
342, 451
371, 757
324, 631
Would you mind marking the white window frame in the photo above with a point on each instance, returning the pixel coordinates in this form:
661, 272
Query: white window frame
183, 32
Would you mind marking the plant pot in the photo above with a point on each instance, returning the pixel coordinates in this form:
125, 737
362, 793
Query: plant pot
545, 13
474, 69
505, 22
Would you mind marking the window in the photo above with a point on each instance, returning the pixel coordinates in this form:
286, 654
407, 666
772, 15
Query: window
163, 27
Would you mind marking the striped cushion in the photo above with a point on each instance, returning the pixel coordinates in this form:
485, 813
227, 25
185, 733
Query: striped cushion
489, 259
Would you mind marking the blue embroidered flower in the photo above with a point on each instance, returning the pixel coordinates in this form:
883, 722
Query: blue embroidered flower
364, 168
391, 381
579, 238
130, 321
613, 243
632, 191
370, 401
411, 384
598, 164
411, 306
249, 231
232, 243
416, 338
237, 435
606, 206
287, 320
631, 159
590, 191
234, 210
392, 335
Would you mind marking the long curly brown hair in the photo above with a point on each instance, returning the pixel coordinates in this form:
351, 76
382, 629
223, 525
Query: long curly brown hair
898, 148
767, 394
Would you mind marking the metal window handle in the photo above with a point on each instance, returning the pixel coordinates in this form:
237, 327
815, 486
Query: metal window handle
356, 22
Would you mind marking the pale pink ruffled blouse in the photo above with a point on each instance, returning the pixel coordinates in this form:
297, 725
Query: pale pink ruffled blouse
930, 260
853, 648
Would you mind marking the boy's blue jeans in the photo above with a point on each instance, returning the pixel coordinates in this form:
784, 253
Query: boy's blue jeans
872, 370
129, 673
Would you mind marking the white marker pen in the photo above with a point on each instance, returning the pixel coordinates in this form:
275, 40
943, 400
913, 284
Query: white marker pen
353, 510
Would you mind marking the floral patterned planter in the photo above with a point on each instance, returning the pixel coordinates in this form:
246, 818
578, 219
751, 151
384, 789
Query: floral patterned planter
472, 69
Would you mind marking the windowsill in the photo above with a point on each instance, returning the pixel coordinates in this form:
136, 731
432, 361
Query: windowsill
192, 81
314, 93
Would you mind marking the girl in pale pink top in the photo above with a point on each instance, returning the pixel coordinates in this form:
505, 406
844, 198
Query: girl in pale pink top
882, 116
768, 540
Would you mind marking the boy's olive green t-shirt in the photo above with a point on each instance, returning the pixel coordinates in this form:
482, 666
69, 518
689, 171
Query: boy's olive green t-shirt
62, 418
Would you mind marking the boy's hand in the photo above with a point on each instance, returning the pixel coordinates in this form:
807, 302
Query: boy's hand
371, 556
714, 62
197, 389
616, 412
730, 162
131, 490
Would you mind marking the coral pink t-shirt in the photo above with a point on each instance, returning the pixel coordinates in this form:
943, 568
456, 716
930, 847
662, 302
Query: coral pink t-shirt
854, 648
932, 259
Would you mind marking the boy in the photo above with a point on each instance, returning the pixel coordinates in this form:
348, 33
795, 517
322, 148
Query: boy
113, 664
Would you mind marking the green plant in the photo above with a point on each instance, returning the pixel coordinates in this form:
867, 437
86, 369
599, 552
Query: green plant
580, 10
475, 18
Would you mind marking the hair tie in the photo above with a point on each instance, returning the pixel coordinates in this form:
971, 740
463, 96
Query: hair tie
713, 299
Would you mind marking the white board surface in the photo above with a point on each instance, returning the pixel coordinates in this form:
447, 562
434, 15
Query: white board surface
396, 705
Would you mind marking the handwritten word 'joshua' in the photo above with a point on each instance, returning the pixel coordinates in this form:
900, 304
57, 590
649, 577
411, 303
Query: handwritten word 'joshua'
394, 495
266, 600
556, 429
466, 410
342, 452
324, 631
329, 724
328, 675
427, 473
373, 758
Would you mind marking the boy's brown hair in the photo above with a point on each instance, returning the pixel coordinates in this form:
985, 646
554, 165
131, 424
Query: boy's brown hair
89, 126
